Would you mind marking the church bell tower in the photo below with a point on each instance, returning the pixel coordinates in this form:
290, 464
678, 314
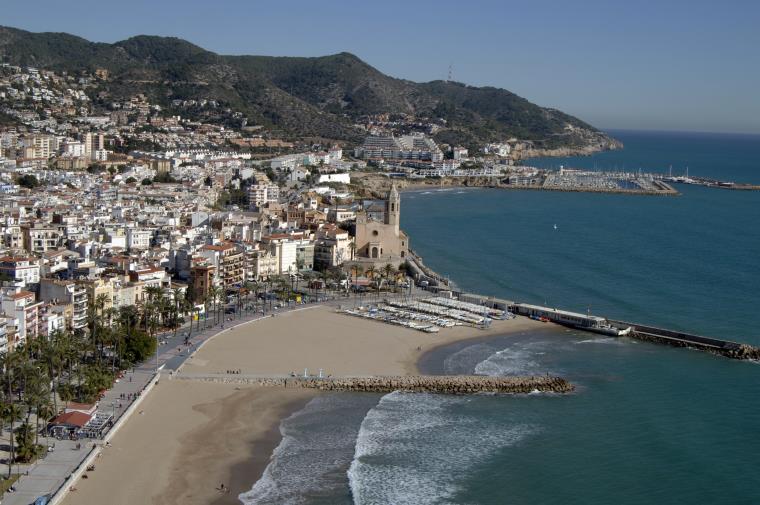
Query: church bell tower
393, 208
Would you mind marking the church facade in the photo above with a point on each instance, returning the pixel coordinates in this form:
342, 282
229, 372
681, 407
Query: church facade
382, 242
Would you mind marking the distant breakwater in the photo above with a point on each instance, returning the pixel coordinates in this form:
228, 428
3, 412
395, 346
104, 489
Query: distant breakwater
442, 384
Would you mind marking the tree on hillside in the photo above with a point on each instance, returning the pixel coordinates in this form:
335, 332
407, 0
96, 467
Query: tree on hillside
27, 181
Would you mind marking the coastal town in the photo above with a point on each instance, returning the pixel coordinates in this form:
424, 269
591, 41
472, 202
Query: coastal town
125, 225
132, 232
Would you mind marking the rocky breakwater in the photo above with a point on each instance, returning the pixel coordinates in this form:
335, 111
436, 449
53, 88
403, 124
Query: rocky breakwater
443, 384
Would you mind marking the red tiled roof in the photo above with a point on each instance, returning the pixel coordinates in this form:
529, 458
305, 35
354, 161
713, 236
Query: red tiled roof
72, 418
22, 294
222, 247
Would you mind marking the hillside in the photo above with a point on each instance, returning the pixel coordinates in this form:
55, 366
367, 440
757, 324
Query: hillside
321, 97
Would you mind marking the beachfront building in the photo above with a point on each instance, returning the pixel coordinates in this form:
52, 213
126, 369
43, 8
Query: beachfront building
67, 293
332, 247
201, 280
20, 305
285, 249
227, 260
264, 263
378, 241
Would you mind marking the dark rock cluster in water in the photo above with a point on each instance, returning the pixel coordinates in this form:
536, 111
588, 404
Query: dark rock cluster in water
445, 384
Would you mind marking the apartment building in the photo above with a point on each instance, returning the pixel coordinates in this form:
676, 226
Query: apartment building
39, 239
228, 261
67, 293
262, 193
21, 306
23, 269
408, 147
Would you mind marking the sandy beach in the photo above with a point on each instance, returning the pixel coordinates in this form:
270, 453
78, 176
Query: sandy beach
193, 435
339, 344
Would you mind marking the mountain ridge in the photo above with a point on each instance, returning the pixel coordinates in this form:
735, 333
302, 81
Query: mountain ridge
322, 96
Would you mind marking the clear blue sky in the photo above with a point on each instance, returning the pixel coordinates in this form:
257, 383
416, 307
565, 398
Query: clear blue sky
679, 65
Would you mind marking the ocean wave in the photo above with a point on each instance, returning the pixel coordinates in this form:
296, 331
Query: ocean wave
603, 340
511, 361
464, 361
417, 448
316, 449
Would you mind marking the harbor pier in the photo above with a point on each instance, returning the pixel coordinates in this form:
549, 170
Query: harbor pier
728, 348
610, 327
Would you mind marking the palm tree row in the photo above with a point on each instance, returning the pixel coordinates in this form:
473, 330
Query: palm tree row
38, 376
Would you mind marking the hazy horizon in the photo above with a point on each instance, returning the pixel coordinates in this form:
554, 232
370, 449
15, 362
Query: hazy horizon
684, 66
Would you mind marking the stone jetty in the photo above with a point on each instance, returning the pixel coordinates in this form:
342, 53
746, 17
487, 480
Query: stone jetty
443, 384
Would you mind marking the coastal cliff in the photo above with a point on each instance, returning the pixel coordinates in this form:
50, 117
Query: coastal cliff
595, 145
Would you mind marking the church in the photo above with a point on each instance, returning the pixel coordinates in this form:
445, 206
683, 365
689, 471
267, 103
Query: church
381, 242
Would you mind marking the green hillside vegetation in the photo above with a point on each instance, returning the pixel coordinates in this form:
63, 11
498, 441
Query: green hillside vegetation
320, 97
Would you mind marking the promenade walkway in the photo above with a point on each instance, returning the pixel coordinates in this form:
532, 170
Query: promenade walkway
52, 472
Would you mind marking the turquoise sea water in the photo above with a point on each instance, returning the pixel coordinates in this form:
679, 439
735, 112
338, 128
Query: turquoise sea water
648, 424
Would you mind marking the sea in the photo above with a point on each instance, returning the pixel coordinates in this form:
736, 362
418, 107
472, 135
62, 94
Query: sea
648, 424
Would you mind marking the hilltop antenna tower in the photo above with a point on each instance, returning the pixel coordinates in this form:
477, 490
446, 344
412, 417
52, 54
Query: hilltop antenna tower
449, 75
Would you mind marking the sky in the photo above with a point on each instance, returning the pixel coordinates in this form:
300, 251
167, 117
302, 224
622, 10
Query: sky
656, 65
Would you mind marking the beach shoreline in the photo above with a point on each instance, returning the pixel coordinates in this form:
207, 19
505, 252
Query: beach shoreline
200, 434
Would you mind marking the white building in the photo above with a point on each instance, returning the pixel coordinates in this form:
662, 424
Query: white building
26, 270
408, 147
341, 178
460, 153
138, 239
259, 194
74, 149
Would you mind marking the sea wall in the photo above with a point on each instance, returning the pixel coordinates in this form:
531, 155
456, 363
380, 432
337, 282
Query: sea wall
444, 384
737, 351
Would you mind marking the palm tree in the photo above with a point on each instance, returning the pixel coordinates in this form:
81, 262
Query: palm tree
176, 306
371, 273
11, 413
52, 356
252, 287
44, 410
150, 305
387, 271
352, 248
213, 294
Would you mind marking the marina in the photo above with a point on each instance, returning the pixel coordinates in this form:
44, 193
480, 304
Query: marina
430, 314
450, 308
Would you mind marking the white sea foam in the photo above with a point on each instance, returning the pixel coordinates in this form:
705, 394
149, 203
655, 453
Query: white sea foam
511, 361
464, 361
417, 449
603, 340
316, 448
